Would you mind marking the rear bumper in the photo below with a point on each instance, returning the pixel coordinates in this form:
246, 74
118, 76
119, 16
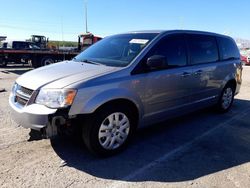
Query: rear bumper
33, 116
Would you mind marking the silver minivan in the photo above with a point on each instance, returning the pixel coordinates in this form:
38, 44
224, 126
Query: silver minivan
127, 81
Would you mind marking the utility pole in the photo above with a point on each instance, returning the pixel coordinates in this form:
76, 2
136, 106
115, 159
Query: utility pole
86, 16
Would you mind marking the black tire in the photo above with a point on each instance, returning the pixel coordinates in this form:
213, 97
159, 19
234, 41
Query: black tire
223, 106
92, 125
47, 61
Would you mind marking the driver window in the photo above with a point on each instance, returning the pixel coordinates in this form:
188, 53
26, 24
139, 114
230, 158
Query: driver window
173, 48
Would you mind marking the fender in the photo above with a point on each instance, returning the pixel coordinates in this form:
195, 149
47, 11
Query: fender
94, 102
229, 77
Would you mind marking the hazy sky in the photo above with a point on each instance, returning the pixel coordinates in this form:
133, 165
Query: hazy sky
64, 19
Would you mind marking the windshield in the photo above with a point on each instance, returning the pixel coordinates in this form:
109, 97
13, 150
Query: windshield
117, 50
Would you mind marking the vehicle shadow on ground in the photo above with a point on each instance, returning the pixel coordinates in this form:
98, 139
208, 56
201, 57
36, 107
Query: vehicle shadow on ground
224, 148
16, 69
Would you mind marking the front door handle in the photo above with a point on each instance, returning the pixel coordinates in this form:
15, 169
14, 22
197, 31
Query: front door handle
185, 74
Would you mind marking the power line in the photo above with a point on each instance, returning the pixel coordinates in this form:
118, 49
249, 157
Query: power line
32, 29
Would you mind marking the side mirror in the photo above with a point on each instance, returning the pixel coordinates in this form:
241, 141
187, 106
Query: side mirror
157, 62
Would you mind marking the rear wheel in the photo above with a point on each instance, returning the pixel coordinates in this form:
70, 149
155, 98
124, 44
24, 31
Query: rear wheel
109, 130
47, 61
226, 98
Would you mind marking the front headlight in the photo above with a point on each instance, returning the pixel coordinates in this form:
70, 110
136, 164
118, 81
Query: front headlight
56, 98
14, 88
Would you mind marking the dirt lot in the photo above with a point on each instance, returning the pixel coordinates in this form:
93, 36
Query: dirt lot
203, 149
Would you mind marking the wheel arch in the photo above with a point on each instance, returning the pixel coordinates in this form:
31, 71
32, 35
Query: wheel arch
114, 96
230, 79
231, 82
122, 101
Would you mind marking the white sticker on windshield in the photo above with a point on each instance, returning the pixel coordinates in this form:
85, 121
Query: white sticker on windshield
139, 41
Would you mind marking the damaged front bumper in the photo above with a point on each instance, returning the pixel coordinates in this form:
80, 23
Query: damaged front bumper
39, 117
33, 116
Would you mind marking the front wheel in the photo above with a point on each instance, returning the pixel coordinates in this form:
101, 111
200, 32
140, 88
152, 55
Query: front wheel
109, 130
226, 98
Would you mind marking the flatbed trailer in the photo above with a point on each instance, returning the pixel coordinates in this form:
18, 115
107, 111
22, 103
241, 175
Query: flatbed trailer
38, 57
35, 57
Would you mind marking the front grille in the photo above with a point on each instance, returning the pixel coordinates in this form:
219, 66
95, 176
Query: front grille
21, 101
23, 95
26, 90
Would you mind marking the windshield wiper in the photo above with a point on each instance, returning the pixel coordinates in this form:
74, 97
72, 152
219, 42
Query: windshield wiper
90, 62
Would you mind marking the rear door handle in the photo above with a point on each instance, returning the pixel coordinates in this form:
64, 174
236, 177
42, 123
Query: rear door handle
185, 74
198, 72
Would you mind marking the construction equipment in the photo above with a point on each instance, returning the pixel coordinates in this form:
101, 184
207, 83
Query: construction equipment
40, 41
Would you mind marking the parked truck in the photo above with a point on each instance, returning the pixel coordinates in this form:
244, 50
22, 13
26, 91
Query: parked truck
36, 51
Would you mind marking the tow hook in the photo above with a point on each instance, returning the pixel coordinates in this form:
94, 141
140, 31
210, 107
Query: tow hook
51, 129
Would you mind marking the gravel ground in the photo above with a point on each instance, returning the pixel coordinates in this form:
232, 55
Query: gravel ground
203, 149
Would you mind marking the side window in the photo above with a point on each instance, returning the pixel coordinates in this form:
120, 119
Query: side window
173, 48
228, 49
203, 49
15, 45
18, 45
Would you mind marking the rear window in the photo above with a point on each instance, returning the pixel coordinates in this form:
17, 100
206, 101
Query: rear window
228, 49
203, 49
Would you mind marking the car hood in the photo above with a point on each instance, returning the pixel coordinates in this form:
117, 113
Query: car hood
61, 74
